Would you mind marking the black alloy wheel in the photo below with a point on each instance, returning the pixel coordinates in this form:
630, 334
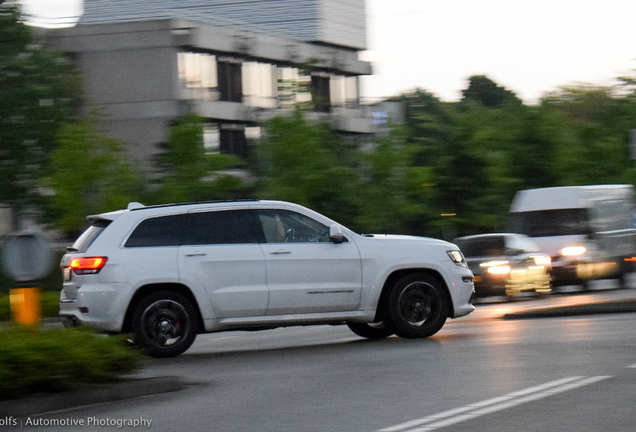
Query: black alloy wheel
418, 306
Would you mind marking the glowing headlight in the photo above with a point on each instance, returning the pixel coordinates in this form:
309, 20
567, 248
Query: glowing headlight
499, 270
496, 267
542, 260
573, 251
457, 257
493, 263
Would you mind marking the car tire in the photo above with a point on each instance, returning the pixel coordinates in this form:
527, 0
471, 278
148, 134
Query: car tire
371, 330
164, 324
418, 306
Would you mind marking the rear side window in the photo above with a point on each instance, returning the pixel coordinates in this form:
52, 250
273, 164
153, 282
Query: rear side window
88, 237
223, 227
158, 231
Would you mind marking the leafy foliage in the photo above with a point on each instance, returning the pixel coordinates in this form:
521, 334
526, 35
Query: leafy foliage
486, 92
307, 164
37, 94
91, 174
36, 361
187, 173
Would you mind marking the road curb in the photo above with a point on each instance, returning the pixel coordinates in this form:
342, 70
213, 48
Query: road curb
42, 404
609, 307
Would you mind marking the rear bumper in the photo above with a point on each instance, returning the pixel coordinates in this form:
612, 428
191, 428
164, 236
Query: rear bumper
99, 305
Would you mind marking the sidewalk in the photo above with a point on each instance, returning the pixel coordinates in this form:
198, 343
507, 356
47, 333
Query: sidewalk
55, 402
601, 307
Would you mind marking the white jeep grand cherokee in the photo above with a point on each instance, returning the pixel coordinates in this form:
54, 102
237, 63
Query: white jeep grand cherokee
166, 273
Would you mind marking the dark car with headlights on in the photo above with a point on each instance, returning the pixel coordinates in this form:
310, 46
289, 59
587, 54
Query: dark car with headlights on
506, 264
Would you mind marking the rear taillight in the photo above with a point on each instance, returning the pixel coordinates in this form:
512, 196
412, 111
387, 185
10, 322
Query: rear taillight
87, 265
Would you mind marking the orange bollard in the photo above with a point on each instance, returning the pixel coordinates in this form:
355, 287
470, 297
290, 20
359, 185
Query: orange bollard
25, 306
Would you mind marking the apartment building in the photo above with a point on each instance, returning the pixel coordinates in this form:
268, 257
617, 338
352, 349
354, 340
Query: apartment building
233, 62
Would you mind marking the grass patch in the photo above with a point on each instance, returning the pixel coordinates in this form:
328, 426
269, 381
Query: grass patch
53, 360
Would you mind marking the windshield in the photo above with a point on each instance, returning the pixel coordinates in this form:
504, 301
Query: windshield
546, 223
482, 246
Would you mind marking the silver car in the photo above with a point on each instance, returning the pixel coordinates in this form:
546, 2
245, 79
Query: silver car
506, 264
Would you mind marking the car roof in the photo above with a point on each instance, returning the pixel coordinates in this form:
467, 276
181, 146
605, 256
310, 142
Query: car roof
177, 208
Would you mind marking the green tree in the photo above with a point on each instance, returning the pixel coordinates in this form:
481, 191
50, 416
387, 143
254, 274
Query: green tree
91, 174
594, 134
308, 164
37, 94
395, 196
188, 173
466, 150
485, 91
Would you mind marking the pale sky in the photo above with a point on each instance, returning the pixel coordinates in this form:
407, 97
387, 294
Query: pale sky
527, 47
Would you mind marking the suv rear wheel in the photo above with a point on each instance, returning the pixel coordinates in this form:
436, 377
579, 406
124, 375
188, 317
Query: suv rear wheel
418, 306
164, 324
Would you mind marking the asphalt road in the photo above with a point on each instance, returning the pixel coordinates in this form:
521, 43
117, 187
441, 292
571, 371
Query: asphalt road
480, 373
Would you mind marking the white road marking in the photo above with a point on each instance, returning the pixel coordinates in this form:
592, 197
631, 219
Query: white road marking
468, 412
632, 366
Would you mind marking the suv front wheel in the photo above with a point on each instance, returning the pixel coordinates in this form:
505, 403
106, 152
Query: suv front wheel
164, 324
371, 330
418, 306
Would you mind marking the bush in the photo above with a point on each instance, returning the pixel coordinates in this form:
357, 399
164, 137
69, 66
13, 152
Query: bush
53, 360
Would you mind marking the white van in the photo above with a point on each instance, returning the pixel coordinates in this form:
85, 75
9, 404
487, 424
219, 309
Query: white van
587, 230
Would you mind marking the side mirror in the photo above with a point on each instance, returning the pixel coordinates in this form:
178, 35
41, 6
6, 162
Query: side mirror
336, 235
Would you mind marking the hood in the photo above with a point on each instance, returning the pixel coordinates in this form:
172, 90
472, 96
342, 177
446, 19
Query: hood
400, 237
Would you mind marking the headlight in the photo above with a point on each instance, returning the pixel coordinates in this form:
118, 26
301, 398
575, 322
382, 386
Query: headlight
542, 260
496, 267
493, 263
457, 257
573, 251
499, 270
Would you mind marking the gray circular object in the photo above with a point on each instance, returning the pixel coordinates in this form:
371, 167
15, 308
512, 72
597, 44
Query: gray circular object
26, 256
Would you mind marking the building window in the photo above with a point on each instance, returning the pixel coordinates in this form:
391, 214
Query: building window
198, 75
344, 91
259, 85
211, 139
292, 87
230, 81
253, 133
233, 141
320, 93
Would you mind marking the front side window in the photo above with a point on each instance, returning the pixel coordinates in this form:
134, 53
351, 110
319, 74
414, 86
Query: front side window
282, 226
222, 227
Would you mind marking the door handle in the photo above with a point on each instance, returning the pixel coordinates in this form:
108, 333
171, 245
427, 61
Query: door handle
280, 252
195, 254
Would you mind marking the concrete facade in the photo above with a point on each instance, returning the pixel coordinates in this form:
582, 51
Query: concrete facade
337, 22
142, 73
